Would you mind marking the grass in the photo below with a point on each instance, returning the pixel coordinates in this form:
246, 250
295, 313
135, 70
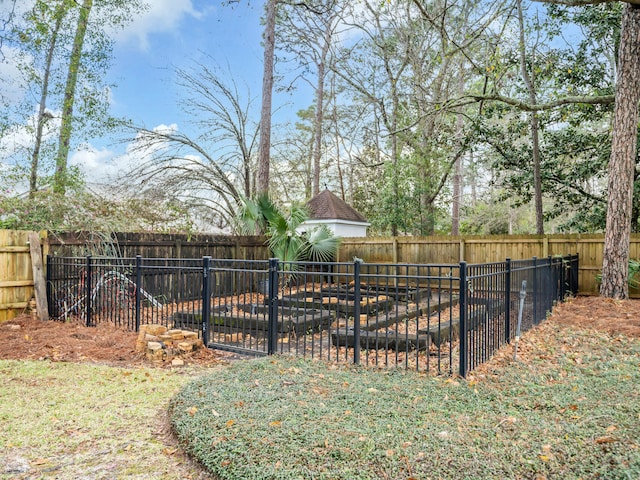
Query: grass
573, 412
67, 421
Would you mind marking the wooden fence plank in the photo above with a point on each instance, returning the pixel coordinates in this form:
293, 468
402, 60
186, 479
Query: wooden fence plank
16, 273
480, 249
40, 286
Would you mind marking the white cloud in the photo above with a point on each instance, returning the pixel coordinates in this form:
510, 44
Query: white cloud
98, 164
104, 166
11, 80
162, 16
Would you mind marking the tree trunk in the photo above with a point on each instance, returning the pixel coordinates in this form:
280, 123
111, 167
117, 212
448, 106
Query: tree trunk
317, 130
457, 177
264, 159
40, 120
60, 177
529, 81
615, 270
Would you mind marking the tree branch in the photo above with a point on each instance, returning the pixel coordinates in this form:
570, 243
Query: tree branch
529, 107
582, 3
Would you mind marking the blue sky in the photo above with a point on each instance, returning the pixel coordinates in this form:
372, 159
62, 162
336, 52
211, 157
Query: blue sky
174, 34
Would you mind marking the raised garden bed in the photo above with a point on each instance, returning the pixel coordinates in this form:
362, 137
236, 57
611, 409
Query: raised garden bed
340, 302
254, 317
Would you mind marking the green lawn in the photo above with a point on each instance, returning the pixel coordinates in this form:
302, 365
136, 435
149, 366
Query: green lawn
70, 421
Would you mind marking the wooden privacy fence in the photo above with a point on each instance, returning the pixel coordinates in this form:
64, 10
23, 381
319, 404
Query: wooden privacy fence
16, 282
157, 245
17, 271
472, 249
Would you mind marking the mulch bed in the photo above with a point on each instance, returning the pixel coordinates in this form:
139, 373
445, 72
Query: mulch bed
25, 337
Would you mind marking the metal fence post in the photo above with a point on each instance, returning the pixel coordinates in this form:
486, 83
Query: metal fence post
356, 311
464, 353
507, 302
272, 325
138, 289
48, 285
574, 275
87, 288
534, 290
206, 298
550, 285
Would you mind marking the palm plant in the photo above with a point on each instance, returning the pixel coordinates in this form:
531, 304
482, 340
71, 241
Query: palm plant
282, 228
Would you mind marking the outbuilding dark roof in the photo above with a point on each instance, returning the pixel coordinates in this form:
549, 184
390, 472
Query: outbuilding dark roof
327, 206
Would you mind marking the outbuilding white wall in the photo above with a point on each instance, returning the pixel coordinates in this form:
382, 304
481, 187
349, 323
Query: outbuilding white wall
340, 228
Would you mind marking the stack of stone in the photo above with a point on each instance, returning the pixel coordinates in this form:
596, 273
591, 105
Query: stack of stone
163, 345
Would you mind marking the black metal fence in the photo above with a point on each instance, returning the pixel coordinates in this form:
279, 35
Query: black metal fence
406, 315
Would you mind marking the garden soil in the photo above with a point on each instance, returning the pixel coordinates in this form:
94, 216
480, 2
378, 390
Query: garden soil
25, 337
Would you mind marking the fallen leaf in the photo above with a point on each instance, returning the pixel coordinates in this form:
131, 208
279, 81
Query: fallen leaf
225, 463
611, 428
275, 423
192, 411
169, 451
606, 439
230, 423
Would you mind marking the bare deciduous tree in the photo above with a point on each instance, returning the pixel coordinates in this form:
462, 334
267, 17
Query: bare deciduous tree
216, 169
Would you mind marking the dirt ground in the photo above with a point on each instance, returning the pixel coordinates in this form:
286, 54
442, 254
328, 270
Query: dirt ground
27, 338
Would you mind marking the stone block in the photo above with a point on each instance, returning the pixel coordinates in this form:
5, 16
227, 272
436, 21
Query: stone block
156, 330
177, 362
185, 347
155, 352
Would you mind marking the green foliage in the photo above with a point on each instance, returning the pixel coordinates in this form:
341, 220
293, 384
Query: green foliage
289, 419
283, 230
42, 38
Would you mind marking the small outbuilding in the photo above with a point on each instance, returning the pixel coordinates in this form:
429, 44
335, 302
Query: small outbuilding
341, 218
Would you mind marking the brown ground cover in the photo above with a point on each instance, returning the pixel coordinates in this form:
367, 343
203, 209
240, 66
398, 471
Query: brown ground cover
27, 338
